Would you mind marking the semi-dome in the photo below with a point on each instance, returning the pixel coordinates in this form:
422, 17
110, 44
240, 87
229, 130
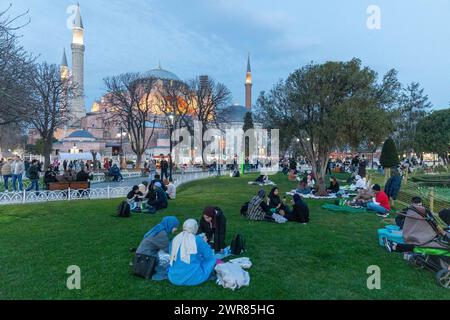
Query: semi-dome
162, 74
80, 135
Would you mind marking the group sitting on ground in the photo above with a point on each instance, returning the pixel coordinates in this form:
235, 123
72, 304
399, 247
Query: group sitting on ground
259, 209
147, 199
192, 251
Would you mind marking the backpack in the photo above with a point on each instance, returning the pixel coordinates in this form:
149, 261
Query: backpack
244, 209
237, 245
123, 210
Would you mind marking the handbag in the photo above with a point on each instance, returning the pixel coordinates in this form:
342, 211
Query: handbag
144, 266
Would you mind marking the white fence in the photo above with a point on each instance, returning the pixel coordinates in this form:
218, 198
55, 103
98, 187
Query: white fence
92, 193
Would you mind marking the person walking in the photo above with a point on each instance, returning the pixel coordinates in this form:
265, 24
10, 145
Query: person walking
164, 168
33, 175
18, 169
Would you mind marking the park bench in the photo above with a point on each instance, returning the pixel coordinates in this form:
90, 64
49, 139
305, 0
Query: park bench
76, 185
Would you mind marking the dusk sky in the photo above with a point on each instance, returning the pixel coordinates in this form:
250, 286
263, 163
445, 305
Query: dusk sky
194, 37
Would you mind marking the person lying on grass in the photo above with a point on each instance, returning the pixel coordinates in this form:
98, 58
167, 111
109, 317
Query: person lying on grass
192, 260
275, 202
157, 238
213, 224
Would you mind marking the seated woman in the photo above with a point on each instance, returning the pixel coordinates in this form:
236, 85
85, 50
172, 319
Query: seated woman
311, 182
160, 201
300, 210
191, 259
303, 187
334, 186
258, 209
158, 237
358, 183
213, 224
292, 176
171, 189
276, 203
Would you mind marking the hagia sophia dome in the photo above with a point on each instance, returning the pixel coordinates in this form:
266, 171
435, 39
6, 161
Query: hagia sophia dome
160, 73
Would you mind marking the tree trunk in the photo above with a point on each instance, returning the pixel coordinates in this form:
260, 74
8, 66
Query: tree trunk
138, 160
47, 152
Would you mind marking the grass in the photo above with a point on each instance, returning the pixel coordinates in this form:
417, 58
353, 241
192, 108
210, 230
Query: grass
326, 259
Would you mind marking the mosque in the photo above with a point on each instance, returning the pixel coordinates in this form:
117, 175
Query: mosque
90, 132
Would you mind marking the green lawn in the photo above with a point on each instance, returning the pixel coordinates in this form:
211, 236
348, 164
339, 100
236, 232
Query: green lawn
326, 259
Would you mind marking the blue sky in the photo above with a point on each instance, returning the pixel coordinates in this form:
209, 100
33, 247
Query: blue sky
193, 37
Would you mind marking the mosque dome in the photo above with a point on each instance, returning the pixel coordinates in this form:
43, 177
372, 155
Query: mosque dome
160, 73
235, 113
80, 135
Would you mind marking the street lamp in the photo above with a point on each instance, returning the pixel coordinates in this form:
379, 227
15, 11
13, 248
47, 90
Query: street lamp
170, 124
120, 135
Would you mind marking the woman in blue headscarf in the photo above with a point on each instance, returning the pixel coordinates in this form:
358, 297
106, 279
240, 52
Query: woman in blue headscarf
300, 210
158, 237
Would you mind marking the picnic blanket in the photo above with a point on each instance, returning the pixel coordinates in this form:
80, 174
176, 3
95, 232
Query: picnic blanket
330, 196
261, 184
333, 207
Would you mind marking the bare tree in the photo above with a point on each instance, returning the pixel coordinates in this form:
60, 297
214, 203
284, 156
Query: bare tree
48, 107
205, 97
15, 65
131, 98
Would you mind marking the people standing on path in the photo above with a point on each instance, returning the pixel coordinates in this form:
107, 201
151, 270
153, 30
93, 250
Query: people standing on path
18, 169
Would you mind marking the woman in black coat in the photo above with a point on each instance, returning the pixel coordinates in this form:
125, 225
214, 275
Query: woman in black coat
275, 202
213, 224
300, 211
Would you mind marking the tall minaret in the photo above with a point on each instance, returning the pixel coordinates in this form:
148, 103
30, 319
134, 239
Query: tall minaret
248, 86
64, 67
78, 109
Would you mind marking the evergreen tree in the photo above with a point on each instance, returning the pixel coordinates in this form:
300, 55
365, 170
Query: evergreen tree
389, 157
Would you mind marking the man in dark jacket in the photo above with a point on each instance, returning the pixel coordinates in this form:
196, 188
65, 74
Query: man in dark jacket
393, 185
158, 179
160, 201
49, 176
213, 225
82, 176
33, 175
164, 167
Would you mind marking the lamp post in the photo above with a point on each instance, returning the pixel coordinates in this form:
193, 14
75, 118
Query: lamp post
170, 125
121, 135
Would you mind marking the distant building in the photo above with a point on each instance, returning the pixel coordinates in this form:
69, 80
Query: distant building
92, 132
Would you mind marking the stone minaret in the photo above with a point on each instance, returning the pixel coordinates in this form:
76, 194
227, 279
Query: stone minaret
248, 86
78, 108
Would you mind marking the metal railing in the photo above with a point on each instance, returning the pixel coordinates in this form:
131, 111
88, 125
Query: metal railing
23, 197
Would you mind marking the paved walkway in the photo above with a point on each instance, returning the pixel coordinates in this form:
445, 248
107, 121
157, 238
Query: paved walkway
135, 181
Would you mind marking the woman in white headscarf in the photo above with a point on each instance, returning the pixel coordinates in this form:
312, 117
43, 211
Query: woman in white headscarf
191, 259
